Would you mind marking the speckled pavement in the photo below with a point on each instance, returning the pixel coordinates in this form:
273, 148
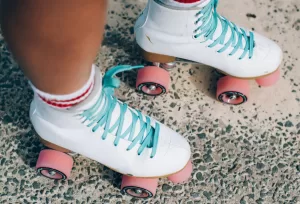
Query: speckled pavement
244, 154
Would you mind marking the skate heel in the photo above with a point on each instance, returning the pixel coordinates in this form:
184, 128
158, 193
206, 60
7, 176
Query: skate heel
53, 146
156, 58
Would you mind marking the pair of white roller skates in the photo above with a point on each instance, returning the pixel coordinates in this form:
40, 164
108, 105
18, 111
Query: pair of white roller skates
123, 139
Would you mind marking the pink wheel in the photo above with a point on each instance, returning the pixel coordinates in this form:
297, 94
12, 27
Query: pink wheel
182, 175
153, 81
233, 91
54, 164
269, 80
139, 187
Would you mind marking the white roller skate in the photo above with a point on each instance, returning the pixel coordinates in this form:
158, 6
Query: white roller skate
117, 136
200, 35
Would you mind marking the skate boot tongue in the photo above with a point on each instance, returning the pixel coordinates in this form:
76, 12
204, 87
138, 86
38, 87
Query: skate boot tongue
212, 26
116, 118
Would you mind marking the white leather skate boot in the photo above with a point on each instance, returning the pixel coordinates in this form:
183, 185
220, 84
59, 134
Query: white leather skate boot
117, 136
199, 34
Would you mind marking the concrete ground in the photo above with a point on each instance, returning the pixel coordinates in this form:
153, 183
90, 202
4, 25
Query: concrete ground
243, 154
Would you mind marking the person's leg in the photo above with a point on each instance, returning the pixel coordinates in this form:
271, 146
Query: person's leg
54, 42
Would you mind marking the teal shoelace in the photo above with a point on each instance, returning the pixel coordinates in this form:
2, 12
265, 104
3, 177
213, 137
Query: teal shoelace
210, 17
100, 115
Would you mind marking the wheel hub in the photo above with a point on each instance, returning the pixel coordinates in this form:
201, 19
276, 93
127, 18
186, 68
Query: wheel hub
138, 191
52, 173
233, 97
152, 87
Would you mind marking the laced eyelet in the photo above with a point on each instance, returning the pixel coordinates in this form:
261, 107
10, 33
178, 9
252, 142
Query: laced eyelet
208, 19
95, 114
